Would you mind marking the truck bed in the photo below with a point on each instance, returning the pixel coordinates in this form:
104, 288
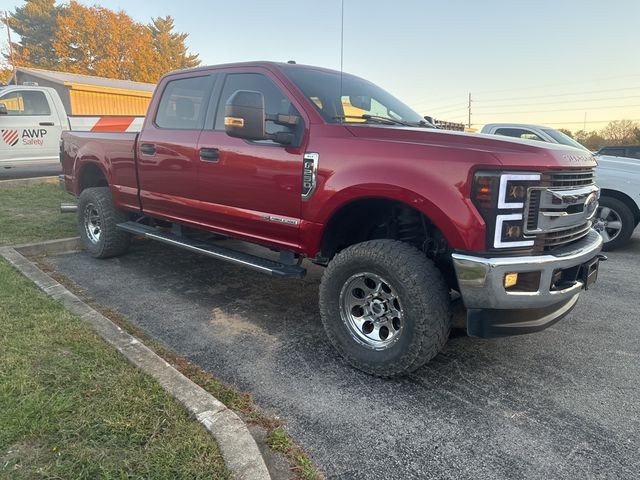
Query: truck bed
114, 152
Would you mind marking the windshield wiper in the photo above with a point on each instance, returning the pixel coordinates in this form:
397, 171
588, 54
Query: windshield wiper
375, 118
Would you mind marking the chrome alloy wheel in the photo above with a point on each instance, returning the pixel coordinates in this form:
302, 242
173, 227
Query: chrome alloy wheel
370, 308
92, 224
607, 223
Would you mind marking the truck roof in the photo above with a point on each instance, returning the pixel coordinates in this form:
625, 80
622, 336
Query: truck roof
257, 63
516, 125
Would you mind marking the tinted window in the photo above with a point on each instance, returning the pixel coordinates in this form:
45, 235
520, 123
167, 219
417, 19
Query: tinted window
633, 152
518, 133
615, 152
184, 103
563, 138
274, 100
26, 103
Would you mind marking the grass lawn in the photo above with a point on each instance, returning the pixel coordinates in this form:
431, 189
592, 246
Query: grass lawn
31, 214
70, 405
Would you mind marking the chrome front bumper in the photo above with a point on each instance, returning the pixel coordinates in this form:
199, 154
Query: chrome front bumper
494, 311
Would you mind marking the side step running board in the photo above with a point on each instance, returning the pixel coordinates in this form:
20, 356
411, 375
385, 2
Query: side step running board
259, 264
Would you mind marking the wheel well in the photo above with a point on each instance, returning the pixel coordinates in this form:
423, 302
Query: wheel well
92, 176
378, 218
624, 198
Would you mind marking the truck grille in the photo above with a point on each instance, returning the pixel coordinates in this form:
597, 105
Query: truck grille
568, 235
561, 180
569, 178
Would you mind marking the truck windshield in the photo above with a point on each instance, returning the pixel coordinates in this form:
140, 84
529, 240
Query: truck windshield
563, 138
358, 101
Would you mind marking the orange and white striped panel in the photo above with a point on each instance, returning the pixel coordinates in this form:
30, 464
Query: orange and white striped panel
106, 124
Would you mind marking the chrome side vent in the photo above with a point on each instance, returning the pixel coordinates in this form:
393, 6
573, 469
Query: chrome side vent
309, 174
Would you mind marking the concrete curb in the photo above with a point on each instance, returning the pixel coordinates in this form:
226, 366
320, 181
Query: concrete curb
239, 449
24, 182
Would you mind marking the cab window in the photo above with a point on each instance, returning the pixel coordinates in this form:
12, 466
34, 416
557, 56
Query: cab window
518, 133
275, 101
183, 103
26, 103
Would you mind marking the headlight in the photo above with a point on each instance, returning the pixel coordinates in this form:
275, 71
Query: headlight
500, 199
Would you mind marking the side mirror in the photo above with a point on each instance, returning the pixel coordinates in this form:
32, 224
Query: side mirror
244, 116
3, 109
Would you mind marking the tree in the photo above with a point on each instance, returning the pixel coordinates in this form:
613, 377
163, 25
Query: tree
170, 49
566, 132
36, 23
5, 74
620, 132
99, 41
592, 140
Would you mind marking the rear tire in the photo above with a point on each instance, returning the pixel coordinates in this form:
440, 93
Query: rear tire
614, 213
385, 307
97, 220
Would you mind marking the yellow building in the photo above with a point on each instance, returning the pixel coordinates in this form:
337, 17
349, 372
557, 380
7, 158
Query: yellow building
84, 95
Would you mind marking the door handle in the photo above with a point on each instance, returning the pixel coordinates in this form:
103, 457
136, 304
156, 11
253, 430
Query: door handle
148, 148
209, 154
47, 124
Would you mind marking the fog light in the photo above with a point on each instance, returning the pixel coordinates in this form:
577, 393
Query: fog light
510, 280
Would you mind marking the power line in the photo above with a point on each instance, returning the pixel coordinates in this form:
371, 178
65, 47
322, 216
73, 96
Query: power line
535, 87
560, 101
581, 122
435, 110
561, 110
560, 84
562, 94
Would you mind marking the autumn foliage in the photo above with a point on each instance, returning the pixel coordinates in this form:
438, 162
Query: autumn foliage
97, 41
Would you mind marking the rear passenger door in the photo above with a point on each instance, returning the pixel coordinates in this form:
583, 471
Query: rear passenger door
167, 154
252, 188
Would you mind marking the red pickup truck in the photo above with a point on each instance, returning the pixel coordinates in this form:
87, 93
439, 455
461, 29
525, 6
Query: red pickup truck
316, 164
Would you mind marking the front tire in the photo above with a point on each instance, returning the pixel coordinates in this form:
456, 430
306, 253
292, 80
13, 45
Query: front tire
385, 307
614, 222
97, 220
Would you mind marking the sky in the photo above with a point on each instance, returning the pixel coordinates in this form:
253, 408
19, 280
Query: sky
563, 63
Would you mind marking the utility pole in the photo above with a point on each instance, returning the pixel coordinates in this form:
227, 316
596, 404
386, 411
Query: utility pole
469, 124
11, 59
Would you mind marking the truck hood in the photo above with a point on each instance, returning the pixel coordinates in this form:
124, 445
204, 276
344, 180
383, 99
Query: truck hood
507, 151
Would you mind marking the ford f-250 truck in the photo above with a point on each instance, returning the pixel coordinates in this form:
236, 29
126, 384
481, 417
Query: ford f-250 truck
326, 166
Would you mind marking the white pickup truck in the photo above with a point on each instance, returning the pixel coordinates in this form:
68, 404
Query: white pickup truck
32, 119
618, 178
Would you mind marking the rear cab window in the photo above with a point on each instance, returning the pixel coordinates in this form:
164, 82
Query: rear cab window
614, 152
184, 103
519, 133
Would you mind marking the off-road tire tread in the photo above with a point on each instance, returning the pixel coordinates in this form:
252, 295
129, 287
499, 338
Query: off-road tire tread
430, 303
113, 242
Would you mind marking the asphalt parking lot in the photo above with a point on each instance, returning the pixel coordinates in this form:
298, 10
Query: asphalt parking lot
561, 404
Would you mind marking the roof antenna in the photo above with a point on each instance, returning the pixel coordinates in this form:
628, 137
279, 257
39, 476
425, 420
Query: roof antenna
341, 52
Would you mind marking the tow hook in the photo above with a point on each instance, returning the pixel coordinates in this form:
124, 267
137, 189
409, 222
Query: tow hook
602, 258
68, 208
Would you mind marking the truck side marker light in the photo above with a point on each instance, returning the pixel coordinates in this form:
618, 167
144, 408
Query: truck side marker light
233, 122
